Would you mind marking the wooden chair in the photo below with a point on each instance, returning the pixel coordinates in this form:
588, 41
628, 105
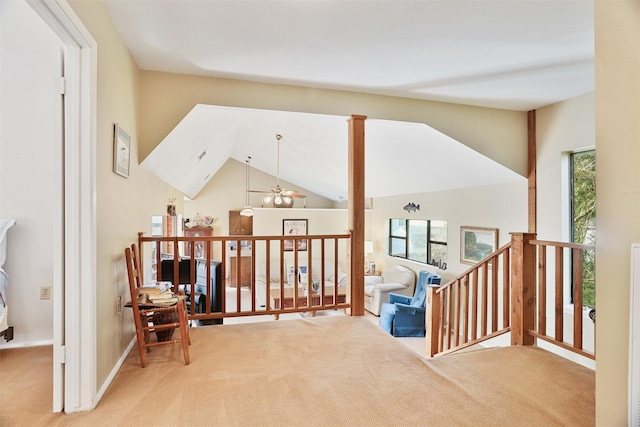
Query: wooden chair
145, 313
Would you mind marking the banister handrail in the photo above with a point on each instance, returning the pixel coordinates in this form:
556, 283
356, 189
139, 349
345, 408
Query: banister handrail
563, 245
476, 266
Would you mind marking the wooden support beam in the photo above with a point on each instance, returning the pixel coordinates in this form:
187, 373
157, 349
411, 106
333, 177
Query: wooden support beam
356, 212
523, 298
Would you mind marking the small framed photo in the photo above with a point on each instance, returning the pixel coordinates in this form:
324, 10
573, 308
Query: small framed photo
294, 227
372, 267
121, 151
476, 243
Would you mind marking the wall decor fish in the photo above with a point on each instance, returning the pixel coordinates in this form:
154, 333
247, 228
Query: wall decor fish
411, 207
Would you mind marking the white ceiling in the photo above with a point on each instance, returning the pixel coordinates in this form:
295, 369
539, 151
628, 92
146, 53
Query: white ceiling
400, 157
514, 54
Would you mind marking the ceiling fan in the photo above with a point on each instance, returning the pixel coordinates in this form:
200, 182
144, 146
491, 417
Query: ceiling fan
278, 197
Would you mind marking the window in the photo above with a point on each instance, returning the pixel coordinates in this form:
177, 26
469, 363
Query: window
418, 240
583, 216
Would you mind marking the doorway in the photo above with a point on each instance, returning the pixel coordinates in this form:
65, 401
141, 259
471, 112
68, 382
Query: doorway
40, 177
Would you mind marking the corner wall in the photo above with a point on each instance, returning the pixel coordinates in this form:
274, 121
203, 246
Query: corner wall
617, 59
123, 206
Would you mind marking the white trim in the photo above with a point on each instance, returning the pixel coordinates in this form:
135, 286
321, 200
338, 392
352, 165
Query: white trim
114, 371
80, 212
58, 242
25, 344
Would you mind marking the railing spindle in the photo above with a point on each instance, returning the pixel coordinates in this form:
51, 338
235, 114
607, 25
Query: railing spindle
559, 295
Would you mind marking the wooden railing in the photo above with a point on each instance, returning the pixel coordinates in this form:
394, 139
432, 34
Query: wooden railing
508, 292
322, 252
471, 308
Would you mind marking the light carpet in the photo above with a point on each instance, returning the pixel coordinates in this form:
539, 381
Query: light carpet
336, 370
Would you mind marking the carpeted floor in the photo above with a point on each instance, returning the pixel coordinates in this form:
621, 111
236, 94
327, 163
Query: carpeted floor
332, 370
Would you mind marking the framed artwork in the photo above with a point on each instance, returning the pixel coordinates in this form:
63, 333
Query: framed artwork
294, 227
121, 151
476, 243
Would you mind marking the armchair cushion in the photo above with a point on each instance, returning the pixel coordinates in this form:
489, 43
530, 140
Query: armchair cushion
397, 298
397, 279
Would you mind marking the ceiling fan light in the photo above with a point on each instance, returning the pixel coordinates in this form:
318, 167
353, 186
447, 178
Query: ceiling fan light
267, 200
277, 200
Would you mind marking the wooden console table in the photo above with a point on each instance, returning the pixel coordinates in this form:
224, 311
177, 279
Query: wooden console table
287, 301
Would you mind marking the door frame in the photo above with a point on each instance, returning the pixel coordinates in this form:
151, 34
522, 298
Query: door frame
75, 301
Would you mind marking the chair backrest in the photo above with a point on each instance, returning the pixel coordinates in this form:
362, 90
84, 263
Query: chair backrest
399, 274
131, 256
425, 278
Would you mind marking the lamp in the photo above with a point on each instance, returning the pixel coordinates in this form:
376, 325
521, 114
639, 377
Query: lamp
277, 199
248, 210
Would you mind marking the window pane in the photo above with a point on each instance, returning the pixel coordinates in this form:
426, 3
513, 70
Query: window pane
438, 253
439, 231
398, 227
418, 240
398, 247
583, 215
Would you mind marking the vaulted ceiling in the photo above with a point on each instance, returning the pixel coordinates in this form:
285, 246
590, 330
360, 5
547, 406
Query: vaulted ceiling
517, 55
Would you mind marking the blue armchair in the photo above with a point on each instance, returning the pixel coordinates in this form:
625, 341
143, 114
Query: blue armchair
403, 316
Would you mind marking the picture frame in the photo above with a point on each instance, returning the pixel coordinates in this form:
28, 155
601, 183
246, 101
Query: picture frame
476, 243
294, 227
121, 151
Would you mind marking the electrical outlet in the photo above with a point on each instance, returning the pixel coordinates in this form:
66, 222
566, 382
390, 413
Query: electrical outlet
45, 292
118, 305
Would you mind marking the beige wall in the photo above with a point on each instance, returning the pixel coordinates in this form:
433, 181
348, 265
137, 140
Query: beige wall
560, 129
498, 134
123, 206
617, 106
501, 206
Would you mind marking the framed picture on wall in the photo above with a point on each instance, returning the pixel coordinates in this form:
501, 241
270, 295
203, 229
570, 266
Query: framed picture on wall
476, 243
295, 227
121, 151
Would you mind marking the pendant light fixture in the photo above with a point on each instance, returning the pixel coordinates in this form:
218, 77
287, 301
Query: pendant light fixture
248, 210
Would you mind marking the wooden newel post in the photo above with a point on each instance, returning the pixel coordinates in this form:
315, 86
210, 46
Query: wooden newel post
432, 321
523, 285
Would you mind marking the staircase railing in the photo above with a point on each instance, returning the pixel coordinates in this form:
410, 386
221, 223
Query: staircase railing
511, 290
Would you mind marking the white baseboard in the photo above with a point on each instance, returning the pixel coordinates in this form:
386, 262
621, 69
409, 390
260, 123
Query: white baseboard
113, 373
24, 344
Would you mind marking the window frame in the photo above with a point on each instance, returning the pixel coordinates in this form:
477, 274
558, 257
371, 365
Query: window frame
571, 214
430, 241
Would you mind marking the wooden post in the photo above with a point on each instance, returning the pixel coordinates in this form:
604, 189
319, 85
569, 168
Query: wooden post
432, 321
523, 298
356, 212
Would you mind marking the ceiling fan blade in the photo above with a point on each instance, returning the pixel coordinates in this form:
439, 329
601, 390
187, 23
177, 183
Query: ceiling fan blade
260, 191
293, 193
